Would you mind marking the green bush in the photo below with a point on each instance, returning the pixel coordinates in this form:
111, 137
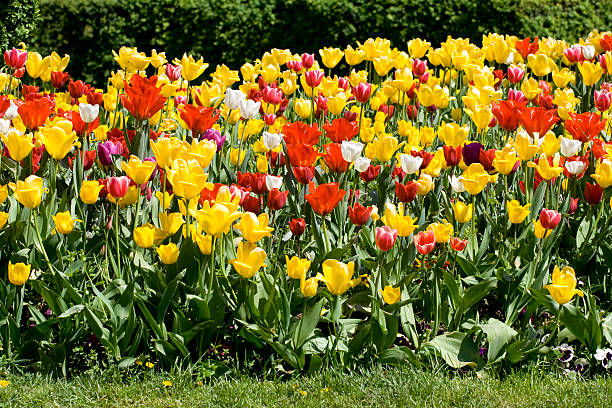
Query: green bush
235, 31
17, 20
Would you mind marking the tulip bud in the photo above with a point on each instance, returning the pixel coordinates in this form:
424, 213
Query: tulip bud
603, 99
297, 226
363, 92
549, 218
385, 238
515, 74
118, 186
173, 72
307, 60
313, 78
419, 67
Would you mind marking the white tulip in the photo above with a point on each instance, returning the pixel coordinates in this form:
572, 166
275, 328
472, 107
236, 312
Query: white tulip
11, 113
351, 150
588, 52
575, 167
5, 125
361, 164
88, 112
233, 98
411, 164
273, 182
272, 140
457, 184
569, 147
509, 59
249, 109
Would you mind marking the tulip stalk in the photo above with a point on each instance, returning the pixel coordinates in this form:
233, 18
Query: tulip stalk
40, 241
117, 238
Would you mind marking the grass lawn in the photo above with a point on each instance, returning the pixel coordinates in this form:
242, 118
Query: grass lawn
396, 387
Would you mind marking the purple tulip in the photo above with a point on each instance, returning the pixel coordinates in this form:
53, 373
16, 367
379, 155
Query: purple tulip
471, 153
106, 151
214, 135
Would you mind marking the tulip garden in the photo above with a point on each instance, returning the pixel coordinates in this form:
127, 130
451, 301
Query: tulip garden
352, 206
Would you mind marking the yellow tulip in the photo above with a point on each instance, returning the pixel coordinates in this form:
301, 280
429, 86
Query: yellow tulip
545, 169
36, 65
452, 134
336, 104
331, 56
187, 178
203, 151
524, 147
337, 276
215, 220
204, 241
505, 160
191, 69
603, 173
540, 64
64, 223
463, 213
302, 108
165, 199
297, 267
442, 231
391, 295
3, 218
425, 184
395, 218
19, 146
90, 189
168, 253
562, 77
308, 287
254, 227
418, 48
170, 223
147, 235
249, 258
29, 191
237, 156
475, 178
385, 147
516, 212
57, 141
354, 56
166, 150
3, 192
18, 273
539, 230
591, 73
137, 170
563, 287
530, 88
57, 63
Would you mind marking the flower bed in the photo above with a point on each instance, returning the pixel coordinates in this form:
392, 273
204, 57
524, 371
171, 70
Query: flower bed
450, 201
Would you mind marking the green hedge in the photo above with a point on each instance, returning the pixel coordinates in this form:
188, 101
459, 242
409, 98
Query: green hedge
234, 31
17, 19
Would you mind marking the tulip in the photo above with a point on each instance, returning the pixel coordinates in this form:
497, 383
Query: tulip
331, 56
218, 218
351, 151
90, 189
29, 191
362, 92
187, 178
452, 155
168, 253
15, 58
390, 294
277, 199
297, 267
324, 198
385, 238
297, 226
58, 140
591, 73
233, 98
458, 244
173, 72
593, 193
18, 273
603, 173
358, 214
3, 218
549, 218
170, 223
88, 112
273, 182
603, 100
337, 276
425, 242
254, 227
302, 108
410, 164
19, 146
202, 151
191, 69
406, 193
249, 109
36, 65
118, 186
271, 140
442, 231
570, 147
515, 74
143, 98
249, 258
313, 78
395, 218
563, 287
106, 151
516, 212
215, 136
463, 213
147, 235
64, 223
308, 287
59, 79
505, 161
475, 178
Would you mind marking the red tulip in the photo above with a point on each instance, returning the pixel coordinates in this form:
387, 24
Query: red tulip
573, 205
303, 174
255, 181
142, 97
358, 214
385, 238
419, 67
485, 157
118, 186
76, 89
277, 199
549, 218
173, 72
603, 100
297, 226
5, 103
333, 158
452, 155
59, 79
424, 242
341, 129
515, 74
35, 112
324, 197
406, 193
198, 119
458, 244
593, 193
252, 204
313, 78
15, 58
538, 120
507, 114
584, 126
302, 155
307, 60
297, 133
525, 47
370, 174
363, 92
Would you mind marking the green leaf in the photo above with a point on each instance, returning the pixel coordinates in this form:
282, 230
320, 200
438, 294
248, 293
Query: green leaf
499, 335
457, 350
307, 324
